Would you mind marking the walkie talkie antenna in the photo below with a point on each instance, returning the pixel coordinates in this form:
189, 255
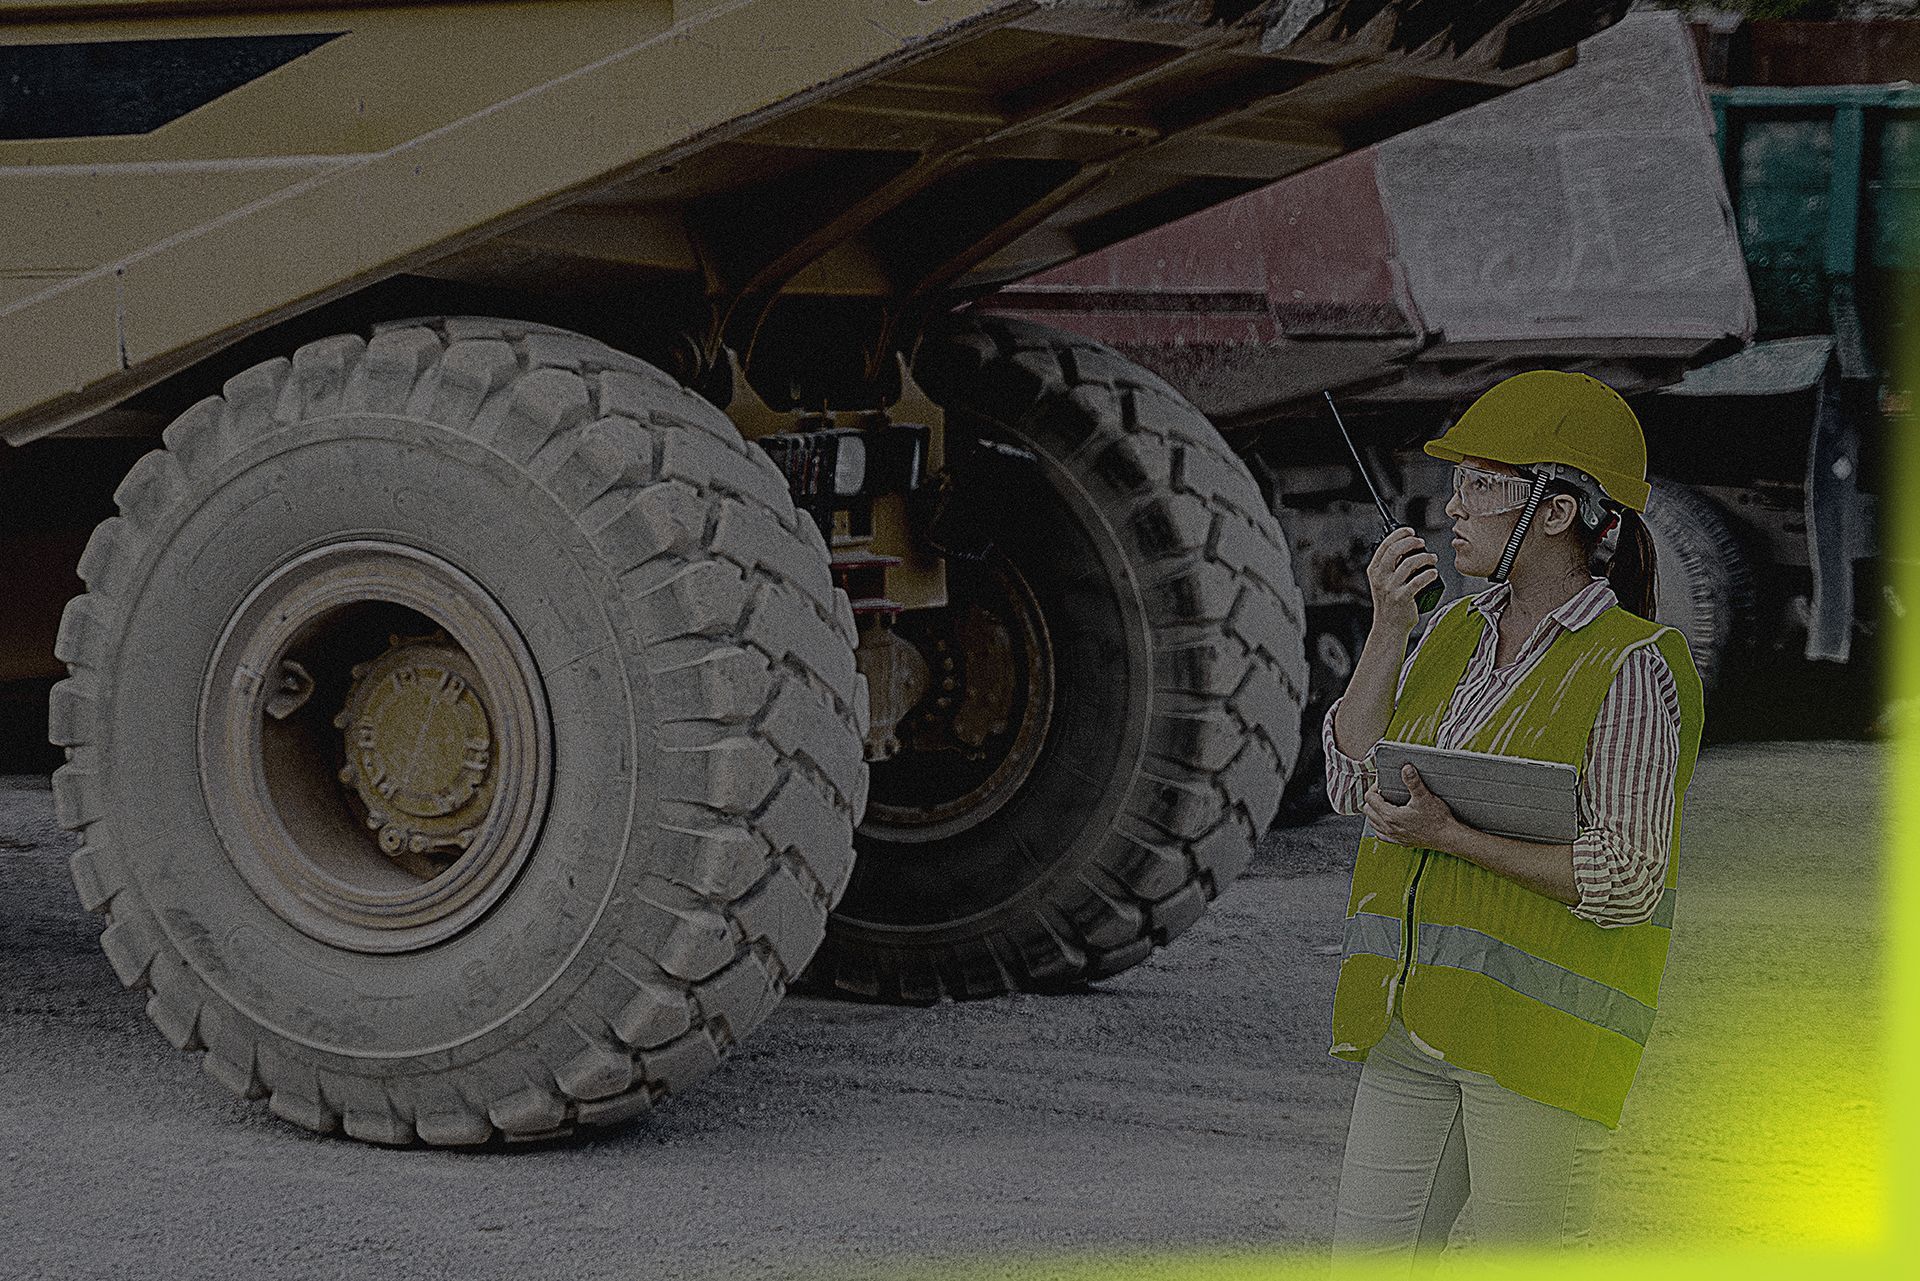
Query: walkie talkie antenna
1386, 520
1430, 594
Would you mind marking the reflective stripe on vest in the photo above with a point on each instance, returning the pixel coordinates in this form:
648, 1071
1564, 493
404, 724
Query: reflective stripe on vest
1370, 934
1588, 1000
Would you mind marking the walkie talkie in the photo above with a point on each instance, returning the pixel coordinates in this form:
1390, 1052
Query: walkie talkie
1430, 594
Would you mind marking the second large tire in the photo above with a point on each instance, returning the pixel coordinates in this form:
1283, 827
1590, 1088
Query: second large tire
1174, 684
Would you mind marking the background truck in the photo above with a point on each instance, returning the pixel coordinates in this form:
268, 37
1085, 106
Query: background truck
533, 502
1818, 133
1622, 219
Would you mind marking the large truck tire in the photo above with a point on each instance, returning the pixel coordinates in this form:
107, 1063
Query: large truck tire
463, 732
1704, 583
1144, 597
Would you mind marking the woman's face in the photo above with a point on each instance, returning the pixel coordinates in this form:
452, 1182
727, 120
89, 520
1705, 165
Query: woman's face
1478, 541
1482, 527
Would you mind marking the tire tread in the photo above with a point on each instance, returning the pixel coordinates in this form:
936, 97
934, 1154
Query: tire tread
1228, 665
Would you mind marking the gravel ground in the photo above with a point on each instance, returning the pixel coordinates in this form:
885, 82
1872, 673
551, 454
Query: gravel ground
1187, 1105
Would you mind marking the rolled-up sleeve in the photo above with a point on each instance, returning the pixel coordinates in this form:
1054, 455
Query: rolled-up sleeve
1621, 853
1346, 776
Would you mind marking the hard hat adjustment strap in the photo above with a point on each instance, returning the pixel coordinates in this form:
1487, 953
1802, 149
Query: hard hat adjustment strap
1520, 530
1596, 507
1610, 536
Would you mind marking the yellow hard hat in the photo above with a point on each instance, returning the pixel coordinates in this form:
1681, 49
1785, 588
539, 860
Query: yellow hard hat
1548, 416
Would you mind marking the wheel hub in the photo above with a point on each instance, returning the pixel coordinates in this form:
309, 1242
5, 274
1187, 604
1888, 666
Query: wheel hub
974, 742
419, 747
396, 822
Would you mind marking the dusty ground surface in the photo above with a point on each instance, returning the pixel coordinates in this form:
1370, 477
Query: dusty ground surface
1186, 1105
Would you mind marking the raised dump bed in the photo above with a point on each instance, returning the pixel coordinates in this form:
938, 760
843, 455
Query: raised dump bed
1579, 223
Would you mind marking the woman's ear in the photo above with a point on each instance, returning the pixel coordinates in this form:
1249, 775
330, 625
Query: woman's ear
1557, 514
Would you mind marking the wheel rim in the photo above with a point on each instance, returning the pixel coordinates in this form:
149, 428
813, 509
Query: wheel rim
918, 805
374, 746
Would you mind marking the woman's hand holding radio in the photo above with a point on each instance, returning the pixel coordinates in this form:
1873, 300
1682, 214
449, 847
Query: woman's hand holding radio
1400, 567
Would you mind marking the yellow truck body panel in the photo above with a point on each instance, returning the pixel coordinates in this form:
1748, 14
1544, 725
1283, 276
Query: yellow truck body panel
180, 175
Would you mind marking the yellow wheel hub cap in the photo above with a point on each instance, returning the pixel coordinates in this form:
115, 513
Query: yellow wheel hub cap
419, 748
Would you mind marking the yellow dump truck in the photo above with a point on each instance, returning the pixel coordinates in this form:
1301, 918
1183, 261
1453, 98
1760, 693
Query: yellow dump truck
557, 562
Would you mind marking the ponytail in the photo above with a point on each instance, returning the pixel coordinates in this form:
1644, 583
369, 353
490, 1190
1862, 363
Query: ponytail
1632, 570
1624, 554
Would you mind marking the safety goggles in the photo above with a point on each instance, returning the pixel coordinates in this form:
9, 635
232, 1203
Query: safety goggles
1486, 493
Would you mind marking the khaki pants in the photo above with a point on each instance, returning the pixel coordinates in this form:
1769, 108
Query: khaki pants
1428, 1139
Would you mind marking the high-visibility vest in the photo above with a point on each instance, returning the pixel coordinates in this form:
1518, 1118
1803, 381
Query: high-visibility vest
1494, 977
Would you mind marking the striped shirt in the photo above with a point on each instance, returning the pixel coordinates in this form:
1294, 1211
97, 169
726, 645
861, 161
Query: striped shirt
1626, 787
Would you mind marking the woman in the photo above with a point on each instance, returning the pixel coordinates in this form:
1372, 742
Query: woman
1499, 991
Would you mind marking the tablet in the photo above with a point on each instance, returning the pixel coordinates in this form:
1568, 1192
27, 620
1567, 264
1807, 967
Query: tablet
1507, 795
